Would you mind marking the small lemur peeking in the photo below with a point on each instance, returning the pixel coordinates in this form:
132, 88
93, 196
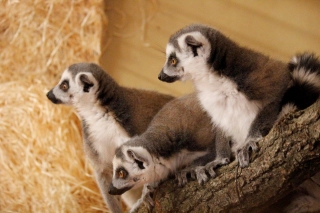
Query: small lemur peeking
242, 90
110, 115
180, 135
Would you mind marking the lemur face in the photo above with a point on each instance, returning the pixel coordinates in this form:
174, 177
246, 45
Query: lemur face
186, 57
73, 88
131, 169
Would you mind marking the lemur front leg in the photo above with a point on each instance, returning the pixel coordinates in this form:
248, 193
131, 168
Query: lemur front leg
146, 197
204, 165
223, 155
243, 155
222, 148
104, 179
259, 128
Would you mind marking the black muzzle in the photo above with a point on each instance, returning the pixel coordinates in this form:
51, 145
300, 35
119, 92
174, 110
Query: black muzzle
115, 191
166, 78
53, 98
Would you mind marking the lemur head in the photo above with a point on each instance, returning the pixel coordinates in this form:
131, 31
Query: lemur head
187, 53
132, 167
78, 84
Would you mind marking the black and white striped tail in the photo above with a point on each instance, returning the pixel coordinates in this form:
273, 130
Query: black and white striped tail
305, 90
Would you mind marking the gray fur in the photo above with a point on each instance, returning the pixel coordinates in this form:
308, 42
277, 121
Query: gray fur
191, 131
110, 115
262, 80
191, 28
181, 134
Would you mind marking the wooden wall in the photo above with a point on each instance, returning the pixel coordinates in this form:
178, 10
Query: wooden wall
138, 31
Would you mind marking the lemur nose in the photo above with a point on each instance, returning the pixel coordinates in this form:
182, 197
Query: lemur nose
162, 76
53, 98
50, 95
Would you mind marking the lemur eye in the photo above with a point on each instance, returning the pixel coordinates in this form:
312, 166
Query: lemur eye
64, 86
173, 61
121, 174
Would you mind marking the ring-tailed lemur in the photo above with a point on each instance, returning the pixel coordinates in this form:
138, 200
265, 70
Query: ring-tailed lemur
180, 134
241, 89
110, 115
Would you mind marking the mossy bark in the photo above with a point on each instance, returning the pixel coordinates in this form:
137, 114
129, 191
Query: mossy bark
288, 155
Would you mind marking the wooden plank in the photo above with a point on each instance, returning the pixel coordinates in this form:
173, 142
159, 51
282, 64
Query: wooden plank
277, 28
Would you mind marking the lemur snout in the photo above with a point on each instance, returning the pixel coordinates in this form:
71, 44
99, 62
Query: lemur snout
115, 191
166, 78
53, 98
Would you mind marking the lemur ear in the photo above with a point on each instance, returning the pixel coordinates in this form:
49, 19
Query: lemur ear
138, 158
191, 41
87, 83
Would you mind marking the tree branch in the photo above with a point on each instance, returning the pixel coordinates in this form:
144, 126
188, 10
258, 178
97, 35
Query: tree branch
288, 155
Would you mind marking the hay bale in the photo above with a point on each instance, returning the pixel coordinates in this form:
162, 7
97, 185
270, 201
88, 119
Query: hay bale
43, 37
42, 164
42, 161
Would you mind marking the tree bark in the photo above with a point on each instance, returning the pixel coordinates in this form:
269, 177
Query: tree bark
288, 155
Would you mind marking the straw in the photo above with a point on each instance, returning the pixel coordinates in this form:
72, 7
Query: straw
42, 164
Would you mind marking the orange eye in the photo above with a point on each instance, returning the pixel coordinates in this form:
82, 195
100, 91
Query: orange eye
64, 86
173, 61
121, 174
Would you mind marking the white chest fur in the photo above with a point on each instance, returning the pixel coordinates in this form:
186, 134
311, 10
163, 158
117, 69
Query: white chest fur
228, 108
104, 132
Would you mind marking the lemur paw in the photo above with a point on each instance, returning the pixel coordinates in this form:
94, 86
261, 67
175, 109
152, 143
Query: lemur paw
224, 161
202, 172
243, 154
253, 145
196, 173
181, 176
201, 175
243, 157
